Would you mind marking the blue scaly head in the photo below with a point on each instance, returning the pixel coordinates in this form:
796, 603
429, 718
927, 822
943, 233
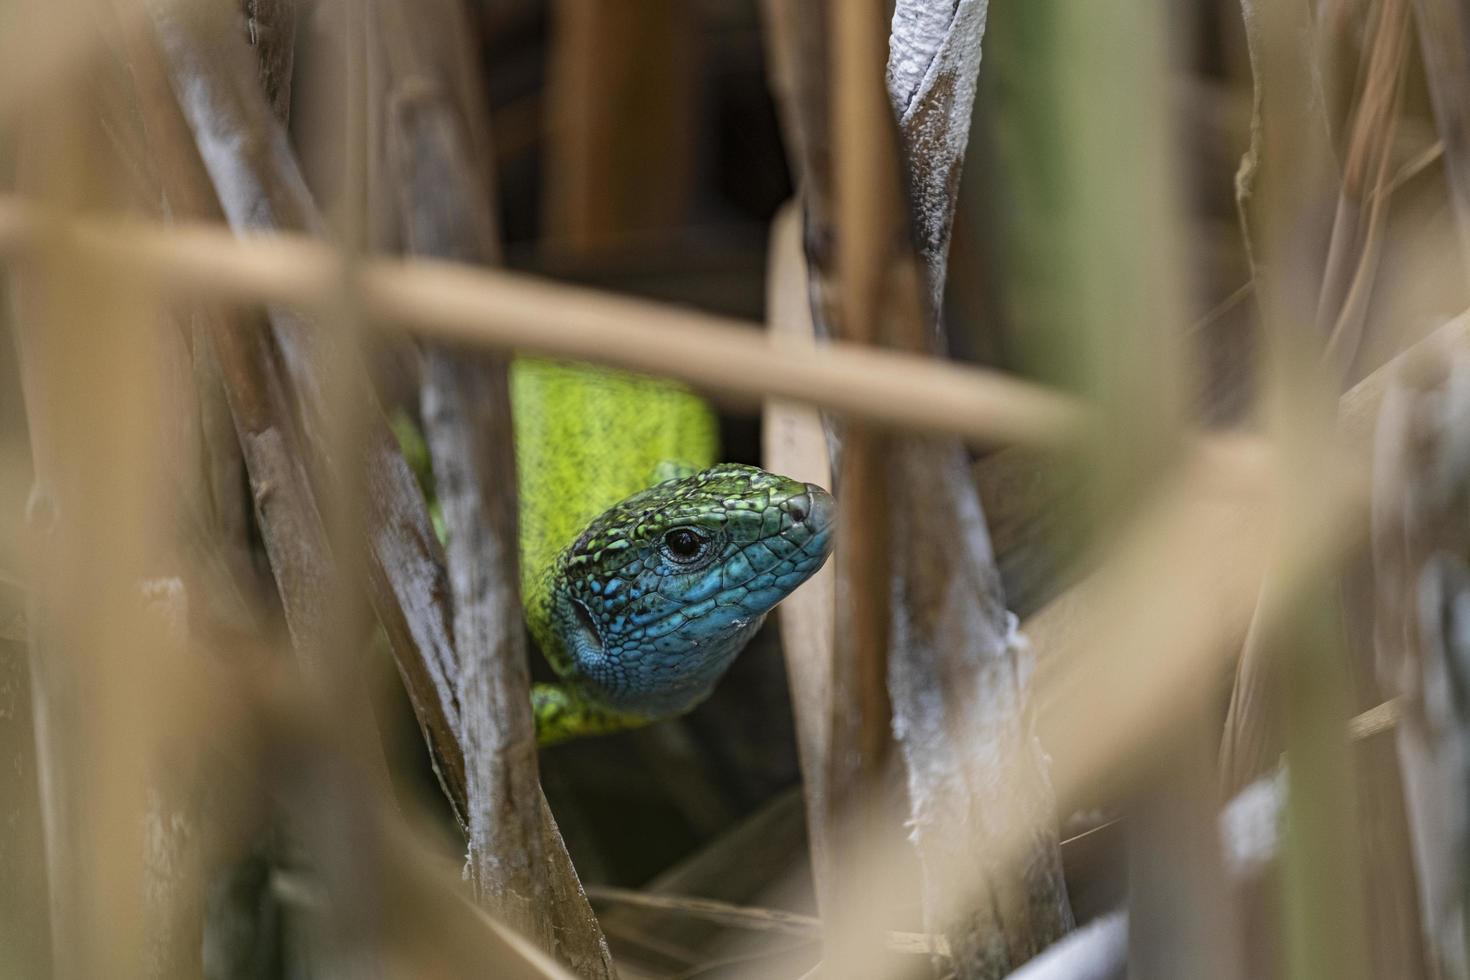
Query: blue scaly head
645, 611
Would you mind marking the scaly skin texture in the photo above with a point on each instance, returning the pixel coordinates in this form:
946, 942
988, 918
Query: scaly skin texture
643, 614
644, 569
585, 439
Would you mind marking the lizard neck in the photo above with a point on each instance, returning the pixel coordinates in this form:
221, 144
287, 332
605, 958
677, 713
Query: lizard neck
586, 438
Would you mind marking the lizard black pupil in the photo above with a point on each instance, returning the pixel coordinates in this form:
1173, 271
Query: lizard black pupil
682, 543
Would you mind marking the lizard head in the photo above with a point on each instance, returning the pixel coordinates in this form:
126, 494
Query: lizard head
656, 597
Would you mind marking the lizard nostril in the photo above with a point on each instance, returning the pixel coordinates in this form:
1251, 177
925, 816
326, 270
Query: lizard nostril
799, 507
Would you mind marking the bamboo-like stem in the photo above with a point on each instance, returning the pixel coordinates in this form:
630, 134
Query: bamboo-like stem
1418, 534
1068, 699
1444, 40
261, 188
1324, 912
466, 420
518, 862
1281, 105
100, 672
958, 675
754, 917
860, 811
290, 518
795, 444
1362, 205
506, 311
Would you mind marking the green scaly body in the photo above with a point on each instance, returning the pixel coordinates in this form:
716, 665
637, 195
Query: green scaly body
585, 439
644, 568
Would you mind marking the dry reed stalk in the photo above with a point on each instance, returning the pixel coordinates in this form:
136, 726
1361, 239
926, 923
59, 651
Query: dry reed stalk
201, 437
1324, 913
443, 932
106, 667
953, 683
755, 918
1419, 579
441, 179
304, 539
44, 53
261, 188
933, 62
24, 928
1181, 924
197, 434
335, 805
795, 444
1444, 43
1227, 485
1028, 496
622, 79
1096, 951
958, 673
400, 578
1297, 173
1284, 97
1124, 252
329, 791
1326, 920
859, 805
507, 311
1326, 898
289, 517
190, 828
797, 44
1138, 666
1350, 283
1357, 238
1256, 747
420, 918
270, 26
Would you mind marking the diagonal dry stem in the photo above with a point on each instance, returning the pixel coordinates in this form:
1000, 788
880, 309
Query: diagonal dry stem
512, 312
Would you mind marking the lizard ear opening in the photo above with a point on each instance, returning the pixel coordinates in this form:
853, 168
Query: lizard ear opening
580, 632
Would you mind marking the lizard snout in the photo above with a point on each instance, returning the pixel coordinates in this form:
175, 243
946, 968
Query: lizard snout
815, 508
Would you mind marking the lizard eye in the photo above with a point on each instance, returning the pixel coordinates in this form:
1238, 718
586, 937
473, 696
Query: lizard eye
683, 544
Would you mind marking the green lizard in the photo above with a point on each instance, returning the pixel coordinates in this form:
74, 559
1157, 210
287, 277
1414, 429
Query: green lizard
645, 566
